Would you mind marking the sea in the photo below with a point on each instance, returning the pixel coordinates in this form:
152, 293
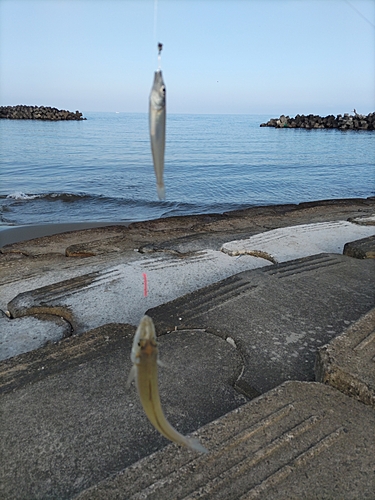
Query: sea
100, 169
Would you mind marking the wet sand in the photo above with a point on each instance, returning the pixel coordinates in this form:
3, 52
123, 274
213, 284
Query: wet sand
15, 234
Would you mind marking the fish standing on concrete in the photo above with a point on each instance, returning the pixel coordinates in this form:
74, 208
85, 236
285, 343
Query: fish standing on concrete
145, 358
157, 119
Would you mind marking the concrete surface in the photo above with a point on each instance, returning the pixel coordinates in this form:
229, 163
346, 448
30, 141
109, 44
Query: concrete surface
294, 242
370, 220
361, 249
300, 440
122, 293
68, 420
348, 361
279, 315
26, 334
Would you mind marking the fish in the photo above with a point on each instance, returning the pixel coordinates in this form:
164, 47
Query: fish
157, 122
145, 359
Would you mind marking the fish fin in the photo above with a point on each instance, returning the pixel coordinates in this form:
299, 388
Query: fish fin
161, 192
131, 376
195, 445
160, 363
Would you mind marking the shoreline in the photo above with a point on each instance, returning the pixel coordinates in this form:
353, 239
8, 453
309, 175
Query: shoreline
17, 234
10, 235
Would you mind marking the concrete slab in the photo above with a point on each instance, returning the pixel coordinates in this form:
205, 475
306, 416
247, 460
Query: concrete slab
26, 262
289, 243
121, 294
68, 421
23, 273
365, 220
279, 315
361, 249
348, 362
27, 334
300, 440
124, 292
276, 245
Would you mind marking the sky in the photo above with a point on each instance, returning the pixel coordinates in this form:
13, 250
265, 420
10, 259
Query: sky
267, 57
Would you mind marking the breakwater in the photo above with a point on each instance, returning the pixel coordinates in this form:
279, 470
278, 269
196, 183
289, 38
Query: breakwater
22, 112
342, 122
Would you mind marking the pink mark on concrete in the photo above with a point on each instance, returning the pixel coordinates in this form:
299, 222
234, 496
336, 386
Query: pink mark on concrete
145, 286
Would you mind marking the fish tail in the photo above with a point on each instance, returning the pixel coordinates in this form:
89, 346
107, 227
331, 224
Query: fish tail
195, 445
161, 192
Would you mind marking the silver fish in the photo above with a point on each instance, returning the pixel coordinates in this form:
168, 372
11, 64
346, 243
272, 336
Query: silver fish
145, 359
157, 119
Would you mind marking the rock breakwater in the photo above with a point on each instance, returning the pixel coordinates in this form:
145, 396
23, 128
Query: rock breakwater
22, 112
342, 122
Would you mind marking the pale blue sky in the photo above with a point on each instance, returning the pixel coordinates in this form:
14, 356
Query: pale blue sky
219, 56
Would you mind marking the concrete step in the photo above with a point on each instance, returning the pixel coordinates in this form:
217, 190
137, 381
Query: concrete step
348, 361
122, 293
361, 249
279, 315
300, 440
294, 242
68, 421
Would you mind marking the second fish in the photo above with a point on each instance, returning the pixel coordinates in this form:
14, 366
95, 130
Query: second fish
157, 118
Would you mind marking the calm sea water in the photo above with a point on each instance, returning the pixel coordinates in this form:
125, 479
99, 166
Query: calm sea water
101, 169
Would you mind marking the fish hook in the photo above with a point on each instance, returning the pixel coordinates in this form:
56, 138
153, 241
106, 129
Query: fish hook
160, 47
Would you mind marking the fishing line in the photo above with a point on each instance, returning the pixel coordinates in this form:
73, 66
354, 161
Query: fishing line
160, 45
360, 13
155, 18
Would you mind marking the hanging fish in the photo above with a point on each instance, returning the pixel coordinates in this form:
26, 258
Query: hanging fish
157, 119
145, 360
